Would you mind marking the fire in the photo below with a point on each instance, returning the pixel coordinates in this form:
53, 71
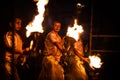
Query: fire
75, 30
95, 61
36, 25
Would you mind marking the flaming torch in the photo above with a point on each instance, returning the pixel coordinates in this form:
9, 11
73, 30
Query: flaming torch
95, 61
75, 30
95, 64
36, 25
34, 28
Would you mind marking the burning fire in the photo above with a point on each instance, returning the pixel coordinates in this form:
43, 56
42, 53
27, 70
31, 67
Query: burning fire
95, 61
75, 30
36, 25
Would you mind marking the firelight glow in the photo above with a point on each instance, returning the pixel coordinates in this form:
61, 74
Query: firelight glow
36, 25
75, 31
95, 61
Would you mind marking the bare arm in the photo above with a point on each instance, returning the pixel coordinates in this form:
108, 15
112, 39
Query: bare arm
79, 52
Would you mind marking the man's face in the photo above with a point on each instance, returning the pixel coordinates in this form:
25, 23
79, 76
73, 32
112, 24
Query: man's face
17, 24
57, 26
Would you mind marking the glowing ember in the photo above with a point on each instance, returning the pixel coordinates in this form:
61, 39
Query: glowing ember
75, 30
95, 61
36, 25
31, 44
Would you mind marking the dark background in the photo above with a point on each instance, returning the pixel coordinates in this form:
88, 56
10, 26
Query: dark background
102, 15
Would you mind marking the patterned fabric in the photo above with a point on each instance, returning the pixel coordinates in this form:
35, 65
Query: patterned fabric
8, 53
17, 45
74, 70
51, 69
51, 48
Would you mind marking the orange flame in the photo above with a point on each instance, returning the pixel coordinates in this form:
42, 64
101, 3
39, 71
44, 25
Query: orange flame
75, 30
36, 25
95, 61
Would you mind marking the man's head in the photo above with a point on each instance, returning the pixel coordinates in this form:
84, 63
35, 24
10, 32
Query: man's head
56, 26
16, 23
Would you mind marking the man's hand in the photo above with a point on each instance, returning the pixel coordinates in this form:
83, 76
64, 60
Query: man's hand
87, 60
27, 49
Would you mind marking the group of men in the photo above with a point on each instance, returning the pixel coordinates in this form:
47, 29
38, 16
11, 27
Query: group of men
54, 65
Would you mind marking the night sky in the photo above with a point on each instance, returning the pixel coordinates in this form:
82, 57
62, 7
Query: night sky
103, 15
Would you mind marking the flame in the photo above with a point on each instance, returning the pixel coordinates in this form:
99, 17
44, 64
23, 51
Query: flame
75, 30
36, 25
95, 61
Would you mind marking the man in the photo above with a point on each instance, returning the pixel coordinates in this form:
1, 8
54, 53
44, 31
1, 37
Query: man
13, 49
51, 69
74, 59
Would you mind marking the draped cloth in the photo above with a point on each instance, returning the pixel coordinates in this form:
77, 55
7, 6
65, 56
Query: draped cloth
51, 69
8, 53
74, 70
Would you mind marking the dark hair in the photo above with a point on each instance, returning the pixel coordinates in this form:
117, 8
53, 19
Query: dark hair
13, 18
11, 22
56, 21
